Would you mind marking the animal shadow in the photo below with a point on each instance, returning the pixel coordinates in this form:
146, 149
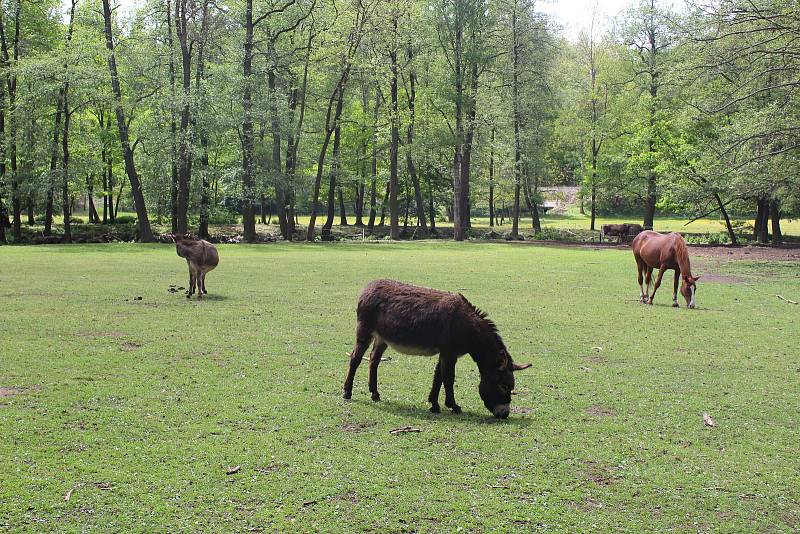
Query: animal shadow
420, 412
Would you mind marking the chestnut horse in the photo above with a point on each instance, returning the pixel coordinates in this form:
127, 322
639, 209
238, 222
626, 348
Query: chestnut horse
664, 251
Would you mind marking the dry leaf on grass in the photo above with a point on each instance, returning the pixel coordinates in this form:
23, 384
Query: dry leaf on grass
69, 494
707, 420
232, 470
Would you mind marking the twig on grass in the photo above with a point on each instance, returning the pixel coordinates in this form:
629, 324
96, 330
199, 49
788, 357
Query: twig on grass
404, 429
785, 299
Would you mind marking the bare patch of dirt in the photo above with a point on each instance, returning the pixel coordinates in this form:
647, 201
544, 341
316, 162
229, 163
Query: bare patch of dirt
722, 279
130, 345
356, 427
589, 505
271, 468
113, 334
521, 410
600, 411
600, 474
9, 392
595, 359
747, 253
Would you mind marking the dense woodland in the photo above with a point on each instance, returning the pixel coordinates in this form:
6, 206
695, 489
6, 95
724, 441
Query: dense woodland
393, 112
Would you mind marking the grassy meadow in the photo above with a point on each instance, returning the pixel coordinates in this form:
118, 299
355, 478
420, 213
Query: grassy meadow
127, 407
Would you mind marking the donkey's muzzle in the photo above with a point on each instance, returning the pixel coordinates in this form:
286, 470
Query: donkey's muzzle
501, 411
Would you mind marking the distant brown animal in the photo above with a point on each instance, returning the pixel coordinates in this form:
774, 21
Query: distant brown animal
421, 321
201, 256
622, 231
664, 251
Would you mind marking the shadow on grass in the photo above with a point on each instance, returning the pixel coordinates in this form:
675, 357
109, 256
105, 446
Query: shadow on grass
421, 413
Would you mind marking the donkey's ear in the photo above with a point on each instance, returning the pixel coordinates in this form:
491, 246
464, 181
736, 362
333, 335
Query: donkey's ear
521, 366
696, 278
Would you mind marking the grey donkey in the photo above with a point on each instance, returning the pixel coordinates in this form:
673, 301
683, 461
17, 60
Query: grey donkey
201, 256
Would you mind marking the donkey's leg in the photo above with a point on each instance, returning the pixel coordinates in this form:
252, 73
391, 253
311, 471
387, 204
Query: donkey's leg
448, 364
203, 282
658, 282
362, 343
433, 397
192, 281
374, 362
675, 288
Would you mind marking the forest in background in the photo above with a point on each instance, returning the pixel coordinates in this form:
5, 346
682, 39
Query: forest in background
193, 113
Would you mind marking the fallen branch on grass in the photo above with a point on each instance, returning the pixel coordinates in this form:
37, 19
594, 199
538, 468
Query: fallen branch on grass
404, 429
785, 299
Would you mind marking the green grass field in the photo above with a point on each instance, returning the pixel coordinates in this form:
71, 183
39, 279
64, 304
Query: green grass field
136, 409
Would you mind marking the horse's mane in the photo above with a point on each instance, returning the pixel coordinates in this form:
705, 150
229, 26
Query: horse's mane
682, 256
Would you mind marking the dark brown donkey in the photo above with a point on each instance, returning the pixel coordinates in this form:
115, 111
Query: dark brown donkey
201, 256
421, 321
664, 251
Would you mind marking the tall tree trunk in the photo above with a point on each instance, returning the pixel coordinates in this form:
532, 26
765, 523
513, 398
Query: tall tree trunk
11, 81
459, 225
326, 228
515, 111
412, 169
491, 180
173, 184
466, 159
374, 162
359, 203
65, 200
431, 209
145, 233
775, 215
93, 217
383, 205
48, 215
184, 140
342, 214
394, 230
202, 230
335, 104
248, 143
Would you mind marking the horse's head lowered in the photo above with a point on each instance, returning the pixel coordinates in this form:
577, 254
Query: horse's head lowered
689, 288
497, 381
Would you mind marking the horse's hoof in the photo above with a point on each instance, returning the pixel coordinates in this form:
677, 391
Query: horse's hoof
650, 302
675, 305
347, 394
376, 397
435, 408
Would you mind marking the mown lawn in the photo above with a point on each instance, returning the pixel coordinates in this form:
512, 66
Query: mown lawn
136, 409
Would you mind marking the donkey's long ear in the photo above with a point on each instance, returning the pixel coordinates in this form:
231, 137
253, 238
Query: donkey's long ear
521, 366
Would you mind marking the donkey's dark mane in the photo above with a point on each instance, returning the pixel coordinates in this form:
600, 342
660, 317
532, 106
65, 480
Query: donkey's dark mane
484, 318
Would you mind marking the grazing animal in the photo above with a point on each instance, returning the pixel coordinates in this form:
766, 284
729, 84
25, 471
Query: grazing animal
201, 256
421, 321
622, 231
664, 251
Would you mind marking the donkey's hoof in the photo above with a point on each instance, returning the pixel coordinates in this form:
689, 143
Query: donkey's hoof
675, 305
650, 302
456, 409
347, 394
376, 396
435, 408
189, 296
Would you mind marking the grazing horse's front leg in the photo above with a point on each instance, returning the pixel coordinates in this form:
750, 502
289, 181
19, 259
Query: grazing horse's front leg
658, 282
433, 397
448, 363
374, 361
640, 267
675, 288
